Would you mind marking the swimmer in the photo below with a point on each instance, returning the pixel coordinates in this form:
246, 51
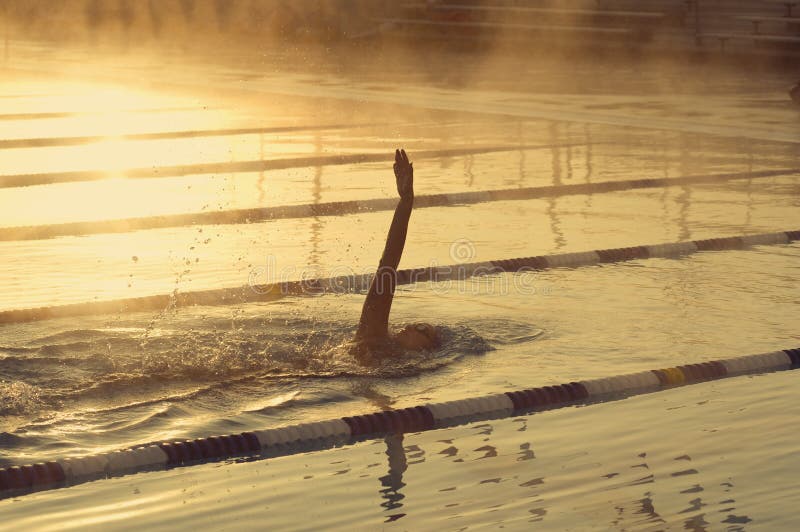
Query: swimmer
372, 338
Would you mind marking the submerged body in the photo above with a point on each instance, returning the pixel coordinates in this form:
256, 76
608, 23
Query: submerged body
373, 339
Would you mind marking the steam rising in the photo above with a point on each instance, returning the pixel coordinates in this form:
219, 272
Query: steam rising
532, 48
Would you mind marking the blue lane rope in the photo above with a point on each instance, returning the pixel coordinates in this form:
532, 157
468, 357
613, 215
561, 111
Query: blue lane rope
358, 283
350, 429
339, 208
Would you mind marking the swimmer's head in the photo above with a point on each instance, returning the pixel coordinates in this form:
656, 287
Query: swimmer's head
419, 336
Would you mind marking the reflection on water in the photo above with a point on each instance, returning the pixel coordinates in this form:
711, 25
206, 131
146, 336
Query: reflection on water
587, 163
566, 468
86, 385
691, 503
552, 213
392, 483
314, 259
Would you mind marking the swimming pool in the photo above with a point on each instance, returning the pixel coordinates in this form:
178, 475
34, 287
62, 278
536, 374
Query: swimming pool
706, 456
90, 384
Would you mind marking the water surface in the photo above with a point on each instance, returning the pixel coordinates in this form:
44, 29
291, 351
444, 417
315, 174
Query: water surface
74, 386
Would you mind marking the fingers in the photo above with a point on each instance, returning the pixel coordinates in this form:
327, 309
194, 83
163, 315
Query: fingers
400, 157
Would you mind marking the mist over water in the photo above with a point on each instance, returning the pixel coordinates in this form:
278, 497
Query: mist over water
145, 148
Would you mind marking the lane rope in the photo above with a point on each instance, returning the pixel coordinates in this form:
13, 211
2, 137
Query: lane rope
262, 165
71, 114
339, 208
358, 283
44, 142
47, 142
347, 430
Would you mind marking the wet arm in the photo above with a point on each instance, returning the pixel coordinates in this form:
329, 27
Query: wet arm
374, 323
375, 313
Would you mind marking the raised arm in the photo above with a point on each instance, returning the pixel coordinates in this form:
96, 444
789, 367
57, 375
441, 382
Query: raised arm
374, 323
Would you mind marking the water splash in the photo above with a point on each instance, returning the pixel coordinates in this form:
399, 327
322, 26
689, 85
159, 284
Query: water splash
107, 366
18, 398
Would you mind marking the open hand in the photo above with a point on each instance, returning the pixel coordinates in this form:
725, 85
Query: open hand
404, 172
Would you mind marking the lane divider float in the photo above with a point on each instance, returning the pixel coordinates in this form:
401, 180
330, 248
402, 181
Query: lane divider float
260, 165
47, 142
326, 434
340, 208
358, 283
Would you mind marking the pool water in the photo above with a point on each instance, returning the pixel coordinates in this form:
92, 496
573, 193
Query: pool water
716, 456
75, 386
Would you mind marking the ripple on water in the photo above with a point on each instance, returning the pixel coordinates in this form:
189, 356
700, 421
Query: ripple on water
91, 388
